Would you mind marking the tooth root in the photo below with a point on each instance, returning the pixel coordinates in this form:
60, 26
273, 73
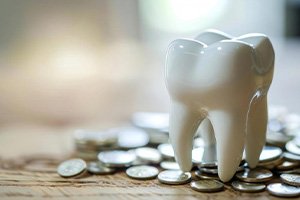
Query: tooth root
207, 132
183, 126
256, 130
229, 128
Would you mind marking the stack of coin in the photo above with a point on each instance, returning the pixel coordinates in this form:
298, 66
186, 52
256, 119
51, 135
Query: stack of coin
155, 124
89, 143
130, 149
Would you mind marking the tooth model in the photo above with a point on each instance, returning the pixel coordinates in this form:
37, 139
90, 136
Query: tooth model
223, 81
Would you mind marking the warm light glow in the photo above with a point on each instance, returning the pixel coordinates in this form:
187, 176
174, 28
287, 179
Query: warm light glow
183, 15
74, 62
186, 10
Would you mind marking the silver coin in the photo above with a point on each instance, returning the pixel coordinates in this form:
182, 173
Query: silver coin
148, 154
215, 170
138, 161
255, 175
71, 168
169, 165
158, 136
283, 190
293, 171
86, 155
206, 176
88, 137
99, 168
248, 187
291, 157
209, 170
147, 120
275, 125
270, 153
166, 150
142, 172
292, 148
287, 165
271, 164
130, 137
208, 164
174, 177
116, 158
207, 185
291, 179
277, 138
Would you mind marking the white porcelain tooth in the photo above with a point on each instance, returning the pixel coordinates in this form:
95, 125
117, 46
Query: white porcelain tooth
258, 113
183, 120
256, 130
211, 36
207, 133
224, 80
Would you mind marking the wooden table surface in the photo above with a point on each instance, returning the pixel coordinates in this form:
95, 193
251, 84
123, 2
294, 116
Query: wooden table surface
28, 161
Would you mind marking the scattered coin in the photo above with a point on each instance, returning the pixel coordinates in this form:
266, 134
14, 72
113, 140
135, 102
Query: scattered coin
71, 168
129, 137
116, 158
207, 185
142, 172
271, 164
248, 187
153, 129
158, 136
209, 170
169, 165
87, 155
215, 170
291, 157
292, 148
287, 165
270, 153
208, 164
149, 120
206, 176
278, 138
90, 142
166, 150
293, 171
174, 177
138, 161
255, 175
275, 125
99, 168
291, 179
148, 154
283, 190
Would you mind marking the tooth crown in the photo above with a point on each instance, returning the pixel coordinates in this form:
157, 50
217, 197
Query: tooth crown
225, 80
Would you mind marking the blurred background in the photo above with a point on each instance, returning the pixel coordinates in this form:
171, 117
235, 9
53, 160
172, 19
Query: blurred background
73, 63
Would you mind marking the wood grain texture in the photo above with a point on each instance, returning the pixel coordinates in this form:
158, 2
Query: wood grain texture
33, 176
36, 178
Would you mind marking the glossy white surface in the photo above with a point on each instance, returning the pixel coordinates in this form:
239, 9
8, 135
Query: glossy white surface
224, 80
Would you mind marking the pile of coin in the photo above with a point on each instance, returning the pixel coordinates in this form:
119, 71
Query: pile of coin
134, 150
